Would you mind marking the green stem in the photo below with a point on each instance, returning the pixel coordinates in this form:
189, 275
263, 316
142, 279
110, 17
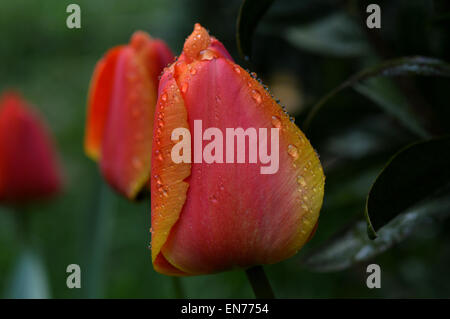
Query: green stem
100, 223
28, 279
23, 221
259, 282
178, 288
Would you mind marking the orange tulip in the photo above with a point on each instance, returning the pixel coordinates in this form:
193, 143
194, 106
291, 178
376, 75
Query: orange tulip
121, 107
28, 168
213, 215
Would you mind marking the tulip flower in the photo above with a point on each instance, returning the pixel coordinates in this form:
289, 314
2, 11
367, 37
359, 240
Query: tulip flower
28, 167
211, 216
121, 107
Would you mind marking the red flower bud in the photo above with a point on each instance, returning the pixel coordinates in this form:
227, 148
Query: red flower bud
121, 106
210, 216
28, 168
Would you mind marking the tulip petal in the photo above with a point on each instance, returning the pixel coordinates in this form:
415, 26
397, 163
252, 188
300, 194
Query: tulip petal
232, 215
155, 54
100, 93
28, 168
126, 146
168, 186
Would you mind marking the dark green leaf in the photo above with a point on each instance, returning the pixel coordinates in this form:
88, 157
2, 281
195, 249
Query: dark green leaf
384, 94
415, 174
335, 35
417, 65
250, 13
352, 245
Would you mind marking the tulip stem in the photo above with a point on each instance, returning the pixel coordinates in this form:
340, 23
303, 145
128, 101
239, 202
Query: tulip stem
100, 224
23, 226
177, 288
259, 282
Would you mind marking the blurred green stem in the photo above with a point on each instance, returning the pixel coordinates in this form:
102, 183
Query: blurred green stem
259, 282
28, 279
100, 223
23, 221
178, 288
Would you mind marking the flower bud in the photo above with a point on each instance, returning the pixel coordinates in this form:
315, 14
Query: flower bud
121, 106
28, 166
217, 207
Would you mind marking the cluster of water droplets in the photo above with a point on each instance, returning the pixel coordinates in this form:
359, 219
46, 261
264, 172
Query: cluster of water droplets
266, 88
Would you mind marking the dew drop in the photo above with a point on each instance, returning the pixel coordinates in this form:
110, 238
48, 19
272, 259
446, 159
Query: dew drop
213, 199
301, 180
184, 87
164, 97
293, 151
237, 70
207, 55
158, 155
276, 121
256, 96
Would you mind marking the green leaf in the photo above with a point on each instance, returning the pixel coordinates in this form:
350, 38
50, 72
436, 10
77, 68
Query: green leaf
384, 94
29, 279
416, 173
352, 245
335, 35
250, 13
417, 65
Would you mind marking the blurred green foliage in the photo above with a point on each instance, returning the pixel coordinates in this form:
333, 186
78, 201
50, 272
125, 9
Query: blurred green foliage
52, 65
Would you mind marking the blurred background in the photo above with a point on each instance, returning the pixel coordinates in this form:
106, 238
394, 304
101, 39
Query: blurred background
301, 50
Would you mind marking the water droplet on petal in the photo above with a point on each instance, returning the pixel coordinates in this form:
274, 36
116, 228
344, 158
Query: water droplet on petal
164, 97
256, 96
213, 199
293, 151
301, 180
184, 87
237, 70
276, 121
158, 155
